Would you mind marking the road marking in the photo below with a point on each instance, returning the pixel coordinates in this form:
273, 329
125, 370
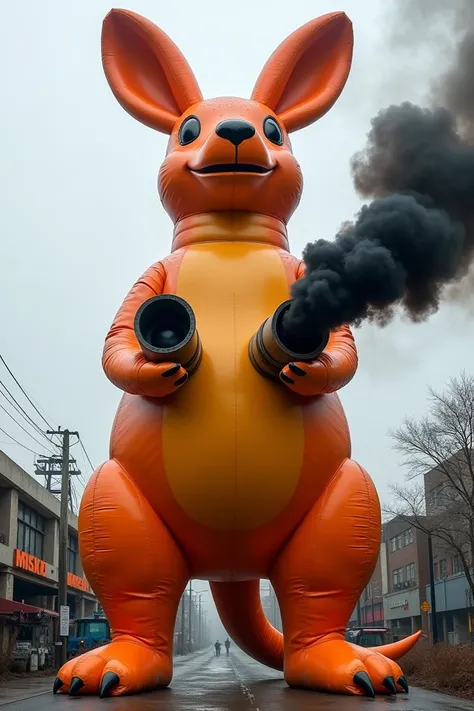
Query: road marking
244, 688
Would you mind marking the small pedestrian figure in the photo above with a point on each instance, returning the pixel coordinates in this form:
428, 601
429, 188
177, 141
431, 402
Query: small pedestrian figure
227, 645
218, 648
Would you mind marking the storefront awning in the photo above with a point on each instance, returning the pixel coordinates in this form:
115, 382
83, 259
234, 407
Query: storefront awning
8, 607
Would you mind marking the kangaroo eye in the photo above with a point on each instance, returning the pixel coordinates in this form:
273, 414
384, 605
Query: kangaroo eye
272, 131
189, 130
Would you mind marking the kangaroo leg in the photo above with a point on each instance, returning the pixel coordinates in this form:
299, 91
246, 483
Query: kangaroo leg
138, 573
318, 578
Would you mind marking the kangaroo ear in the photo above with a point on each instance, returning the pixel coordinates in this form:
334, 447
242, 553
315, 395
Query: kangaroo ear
146, 71
307, 72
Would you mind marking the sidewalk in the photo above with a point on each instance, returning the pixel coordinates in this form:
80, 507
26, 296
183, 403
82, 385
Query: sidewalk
24, 688
29, 686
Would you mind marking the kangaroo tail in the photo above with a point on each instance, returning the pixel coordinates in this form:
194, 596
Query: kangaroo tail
240, 609
398, 649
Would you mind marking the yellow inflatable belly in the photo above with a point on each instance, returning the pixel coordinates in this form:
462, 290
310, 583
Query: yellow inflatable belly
232, 441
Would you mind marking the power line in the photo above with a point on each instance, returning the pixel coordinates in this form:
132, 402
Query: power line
85, 452
19, 443
22, 428
74, 505
21, 411
25, 393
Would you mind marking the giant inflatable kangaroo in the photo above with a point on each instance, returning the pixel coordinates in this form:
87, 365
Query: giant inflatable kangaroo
223, 474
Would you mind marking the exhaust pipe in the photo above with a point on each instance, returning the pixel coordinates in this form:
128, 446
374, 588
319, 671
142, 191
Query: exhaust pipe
271, 347
165, 327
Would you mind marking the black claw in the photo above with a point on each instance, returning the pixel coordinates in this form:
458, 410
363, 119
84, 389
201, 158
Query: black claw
171, 371
362, 679
389, 683
403, 683
297, 370
181, 380
109, 680
58, 683
286, 379
76, 686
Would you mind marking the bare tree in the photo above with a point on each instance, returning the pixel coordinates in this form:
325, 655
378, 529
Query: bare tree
439, 449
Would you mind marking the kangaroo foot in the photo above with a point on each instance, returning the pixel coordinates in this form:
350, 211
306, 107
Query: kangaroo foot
124, 666
343, 668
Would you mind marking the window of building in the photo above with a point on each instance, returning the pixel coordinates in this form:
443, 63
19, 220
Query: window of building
397, 576
443, 571
401, 540
72, 553
456, 563
30, 536
410, 572
435, 497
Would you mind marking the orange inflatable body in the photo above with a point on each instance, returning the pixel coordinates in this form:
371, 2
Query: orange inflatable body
228, 476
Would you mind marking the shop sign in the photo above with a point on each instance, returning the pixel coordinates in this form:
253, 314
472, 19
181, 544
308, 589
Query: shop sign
74, 581
28, 562
395, 604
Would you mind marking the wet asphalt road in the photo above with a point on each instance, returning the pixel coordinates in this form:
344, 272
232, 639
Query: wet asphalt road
237, 683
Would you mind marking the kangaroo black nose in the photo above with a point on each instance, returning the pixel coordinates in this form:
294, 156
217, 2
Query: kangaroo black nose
235, 130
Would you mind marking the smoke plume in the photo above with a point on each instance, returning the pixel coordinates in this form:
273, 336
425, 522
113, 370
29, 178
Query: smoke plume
416, 237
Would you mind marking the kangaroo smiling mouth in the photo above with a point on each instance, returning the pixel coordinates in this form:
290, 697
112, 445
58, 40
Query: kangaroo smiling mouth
232, 168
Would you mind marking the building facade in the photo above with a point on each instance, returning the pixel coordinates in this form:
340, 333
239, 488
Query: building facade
454, 599
454, 608
371, 608
407, 576
270, 605
29, 556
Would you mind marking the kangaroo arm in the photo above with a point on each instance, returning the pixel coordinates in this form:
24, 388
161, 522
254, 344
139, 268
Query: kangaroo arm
122, 357
340, 355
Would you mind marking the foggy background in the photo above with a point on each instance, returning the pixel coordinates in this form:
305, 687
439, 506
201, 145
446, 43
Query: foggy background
80, 218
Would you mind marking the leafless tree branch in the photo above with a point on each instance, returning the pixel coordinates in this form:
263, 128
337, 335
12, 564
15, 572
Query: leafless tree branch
439, 448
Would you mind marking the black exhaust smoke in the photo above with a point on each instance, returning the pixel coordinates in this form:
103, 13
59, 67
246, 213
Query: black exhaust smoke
165, 327
417, 236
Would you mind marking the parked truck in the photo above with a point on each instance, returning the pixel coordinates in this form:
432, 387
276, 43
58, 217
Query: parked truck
87, 633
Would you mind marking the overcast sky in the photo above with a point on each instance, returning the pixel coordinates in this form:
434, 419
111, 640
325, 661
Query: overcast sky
80, 218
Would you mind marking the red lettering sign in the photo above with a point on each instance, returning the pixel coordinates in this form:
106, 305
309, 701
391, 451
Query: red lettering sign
38, 567
74, 581
28, 562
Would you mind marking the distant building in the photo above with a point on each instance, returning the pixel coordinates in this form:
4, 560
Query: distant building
407, 576
270, 605
29, 553
371, 609
454, 603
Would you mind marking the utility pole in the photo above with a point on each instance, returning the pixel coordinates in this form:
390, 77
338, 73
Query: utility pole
434, 618
183, 621
63, 633
51, 469
199, 625
190, 630
199, 593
